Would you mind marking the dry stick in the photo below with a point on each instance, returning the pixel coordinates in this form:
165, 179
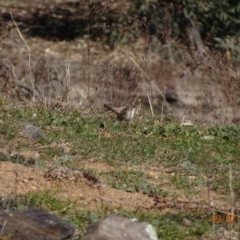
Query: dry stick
89, 47
46, 60
210, 203
37, 172
151, 80
29, 51
88, 52
56, 78
20, 33
111, 85
22, 84
28, 88
150, 104
3, 226
149, 100
16, 181
145, 75
162, 108
68, 78
68, 87
29, 62
232, 198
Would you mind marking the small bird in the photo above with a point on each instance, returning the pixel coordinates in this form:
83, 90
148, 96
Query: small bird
127, 113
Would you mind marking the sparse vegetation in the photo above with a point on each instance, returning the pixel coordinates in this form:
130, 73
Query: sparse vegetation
188, 162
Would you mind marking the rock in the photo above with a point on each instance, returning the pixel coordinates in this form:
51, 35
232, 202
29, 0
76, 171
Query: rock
33, 132
33, 224
207, 137
186, 222
186, 123
119, 228
221, 234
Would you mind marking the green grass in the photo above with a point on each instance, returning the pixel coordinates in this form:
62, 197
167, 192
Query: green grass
168, 226
142, 143
133, 181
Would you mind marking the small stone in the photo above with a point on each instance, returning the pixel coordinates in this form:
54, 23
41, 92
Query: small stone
25, 180
186, 123
66, 149
186, 222
33, 132
207, 137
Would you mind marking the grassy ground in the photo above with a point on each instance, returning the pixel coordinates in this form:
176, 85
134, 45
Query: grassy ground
192, 161
155, 169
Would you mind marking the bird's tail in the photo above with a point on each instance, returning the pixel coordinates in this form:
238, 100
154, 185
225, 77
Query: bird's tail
110, 108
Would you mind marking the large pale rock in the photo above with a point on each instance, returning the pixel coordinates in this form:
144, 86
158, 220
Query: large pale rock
120, 228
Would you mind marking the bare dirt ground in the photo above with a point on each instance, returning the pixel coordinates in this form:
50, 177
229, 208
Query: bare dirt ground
87, 191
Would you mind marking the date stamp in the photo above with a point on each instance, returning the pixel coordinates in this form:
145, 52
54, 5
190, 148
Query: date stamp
229, 218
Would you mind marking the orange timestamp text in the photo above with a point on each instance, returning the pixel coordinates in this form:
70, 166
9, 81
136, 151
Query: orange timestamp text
229, 218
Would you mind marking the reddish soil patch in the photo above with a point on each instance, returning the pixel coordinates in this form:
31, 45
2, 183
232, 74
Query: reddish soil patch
17, 179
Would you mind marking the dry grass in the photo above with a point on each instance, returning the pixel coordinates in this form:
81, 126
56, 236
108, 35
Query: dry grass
88, 73
201, 89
